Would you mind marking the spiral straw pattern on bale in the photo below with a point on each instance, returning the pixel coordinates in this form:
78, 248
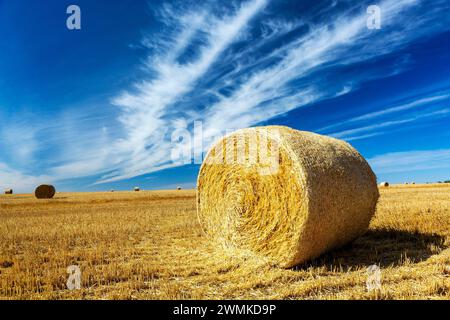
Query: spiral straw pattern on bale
45, 191
319, 193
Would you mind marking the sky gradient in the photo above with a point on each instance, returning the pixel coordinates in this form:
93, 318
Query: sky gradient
97, 108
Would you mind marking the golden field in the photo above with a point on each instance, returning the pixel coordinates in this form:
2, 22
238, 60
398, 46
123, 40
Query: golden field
149, 245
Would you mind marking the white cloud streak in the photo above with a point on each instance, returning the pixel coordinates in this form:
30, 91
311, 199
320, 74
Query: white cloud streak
292, 75
145, 112
19, 181
421, 102
382, 125
410, 161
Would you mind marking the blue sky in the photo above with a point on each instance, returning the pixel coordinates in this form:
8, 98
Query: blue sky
95, 109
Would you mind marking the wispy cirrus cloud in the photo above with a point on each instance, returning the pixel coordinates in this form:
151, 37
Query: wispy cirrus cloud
350, 133
411, 161
19, 141
233, 68
20, 182
421, 102
260, 87
149, 113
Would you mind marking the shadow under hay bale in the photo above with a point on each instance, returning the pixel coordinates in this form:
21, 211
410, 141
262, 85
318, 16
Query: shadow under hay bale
382, 247
45, 191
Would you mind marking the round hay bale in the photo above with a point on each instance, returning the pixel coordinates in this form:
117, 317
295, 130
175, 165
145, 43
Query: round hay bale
136, 189
178, 188
45, 191
384, 184
309, 194
8, 191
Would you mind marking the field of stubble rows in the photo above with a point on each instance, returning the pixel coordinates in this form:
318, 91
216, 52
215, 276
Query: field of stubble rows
149, 245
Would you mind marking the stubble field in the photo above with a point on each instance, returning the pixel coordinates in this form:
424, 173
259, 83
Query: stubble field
149, 245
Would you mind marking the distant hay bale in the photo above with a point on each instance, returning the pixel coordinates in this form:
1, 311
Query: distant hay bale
136, 189
178, 188
45, 191
8, 191
309, 194
384, 184
413, 182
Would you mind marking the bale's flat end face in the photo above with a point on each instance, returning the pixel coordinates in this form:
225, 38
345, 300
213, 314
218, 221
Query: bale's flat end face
45, 192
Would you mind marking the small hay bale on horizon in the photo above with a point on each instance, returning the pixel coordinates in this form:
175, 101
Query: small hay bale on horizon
8, 191
318, 195
178, 188
45, 191
136, 189
384, 184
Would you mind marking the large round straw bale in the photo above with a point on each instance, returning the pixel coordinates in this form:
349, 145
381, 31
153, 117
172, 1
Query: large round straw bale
384, 184
8, 191
45, 191
284, 194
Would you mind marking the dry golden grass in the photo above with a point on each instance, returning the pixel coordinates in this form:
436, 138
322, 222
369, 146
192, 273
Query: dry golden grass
149, 245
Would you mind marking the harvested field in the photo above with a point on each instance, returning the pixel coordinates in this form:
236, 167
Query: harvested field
149, 245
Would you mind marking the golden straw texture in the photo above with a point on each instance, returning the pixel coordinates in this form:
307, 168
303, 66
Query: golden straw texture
45, 191
284, 195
